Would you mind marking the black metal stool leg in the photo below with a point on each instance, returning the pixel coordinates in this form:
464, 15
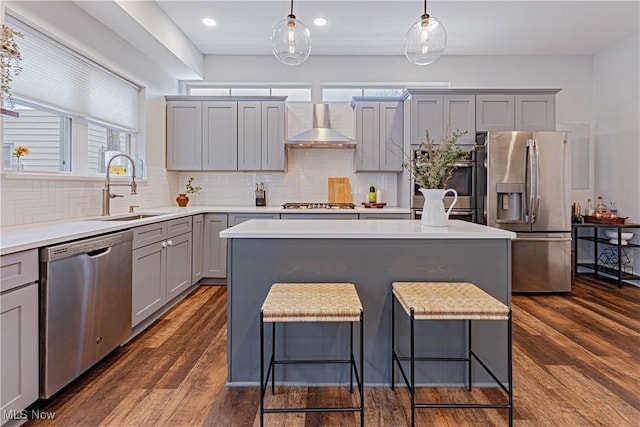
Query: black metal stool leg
413, 371
262, 384
350, 357
273, 357
510, 369
361, 368
469, 354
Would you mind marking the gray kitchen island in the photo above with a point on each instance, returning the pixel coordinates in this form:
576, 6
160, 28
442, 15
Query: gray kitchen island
370, 254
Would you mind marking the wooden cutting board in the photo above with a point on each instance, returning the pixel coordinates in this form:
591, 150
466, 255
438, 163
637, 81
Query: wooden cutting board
340, 190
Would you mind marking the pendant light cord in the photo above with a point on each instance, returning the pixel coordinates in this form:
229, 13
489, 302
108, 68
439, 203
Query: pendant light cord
425, 6
291, 15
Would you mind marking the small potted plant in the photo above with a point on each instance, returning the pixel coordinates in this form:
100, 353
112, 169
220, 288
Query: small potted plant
182, 198
431, 170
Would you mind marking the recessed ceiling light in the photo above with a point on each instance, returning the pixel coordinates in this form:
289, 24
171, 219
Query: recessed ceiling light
210, 22
320, 22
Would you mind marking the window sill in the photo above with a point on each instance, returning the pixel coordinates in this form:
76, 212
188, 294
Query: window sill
7, 174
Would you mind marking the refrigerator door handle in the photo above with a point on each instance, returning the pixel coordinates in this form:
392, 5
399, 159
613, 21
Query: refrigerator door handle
529, 193
536, 210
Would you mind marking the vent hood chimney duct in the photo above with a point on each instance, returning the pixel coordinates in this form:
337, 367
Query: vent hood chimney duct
321, 135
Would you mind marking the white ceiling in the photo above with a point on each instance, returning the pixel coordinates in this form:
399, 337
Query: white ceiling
376, 27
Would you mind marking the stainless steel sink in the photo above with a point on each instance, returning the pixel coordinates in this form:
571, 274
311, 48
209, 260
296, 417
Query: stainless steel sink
129, 217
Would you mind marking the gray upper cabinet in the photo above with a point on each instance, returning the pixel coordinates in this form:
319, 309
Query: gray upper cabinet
249, 135
426, 114
274, 124
226, 133
495, 112
378, 131
261, 129
535, 112
441, 115
184, 135
220, 136
460, 114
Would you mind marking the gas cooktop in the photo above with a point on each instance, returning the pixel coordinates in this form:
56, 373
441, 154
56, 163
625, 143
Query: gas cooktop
319, 206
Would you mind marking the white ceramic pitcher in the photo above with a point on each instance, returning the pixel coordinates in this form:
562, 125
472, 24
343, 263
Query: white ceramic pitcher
433, 212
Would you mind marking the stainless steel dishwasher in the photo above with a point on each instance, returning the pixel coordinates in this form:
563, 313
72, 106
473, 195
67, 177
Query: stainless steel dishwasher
85, 305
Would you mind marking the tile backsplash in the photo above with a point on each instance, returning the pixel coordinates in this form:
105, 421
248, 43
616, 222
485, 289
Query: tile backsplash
28, 201
305, 181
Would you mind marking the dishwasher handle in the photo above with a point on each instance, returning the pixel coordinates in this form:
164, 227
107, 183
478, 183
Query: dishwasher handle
99, 252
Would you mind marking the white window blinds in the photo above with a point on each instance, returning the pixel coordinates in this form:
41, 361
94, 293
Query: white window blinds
62, 78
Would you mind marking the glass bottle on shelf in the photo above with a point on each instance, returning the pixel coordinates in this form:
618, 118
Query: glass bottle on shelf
589, 210
601, 208
613, 210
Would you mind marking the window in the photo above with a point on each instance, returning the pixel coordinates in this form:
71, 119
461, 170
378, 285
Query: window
47, 135
293, 93
105, 142
332, 93
77, 108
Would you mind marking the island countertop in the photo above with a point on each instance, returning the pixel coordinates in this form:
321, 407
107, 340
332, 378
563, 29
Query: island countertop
371, 229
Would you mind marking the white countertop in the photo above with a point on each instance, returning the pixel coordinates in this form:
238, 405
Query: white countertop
25, 237
370, 229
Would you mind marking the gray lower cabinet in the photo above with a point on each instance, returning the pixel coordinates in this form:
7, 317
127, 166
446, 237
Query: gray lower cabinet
18, 333
215, 247
318, 216
385, 216
161, 269
506, 112
237, 218
178, 265
149, 280
378, 133
197, 249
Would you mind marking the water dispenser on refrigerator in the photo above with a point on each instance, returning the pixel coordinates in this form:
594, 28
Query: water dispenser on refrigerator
509, 201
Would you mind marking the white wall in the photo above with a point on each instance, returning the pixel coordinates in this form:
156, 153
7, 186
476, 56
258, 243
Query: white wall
617, 129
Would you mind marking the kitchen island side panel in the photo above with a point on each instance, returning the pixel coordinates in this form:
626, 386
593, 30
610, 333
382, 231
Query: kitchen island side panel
372, 265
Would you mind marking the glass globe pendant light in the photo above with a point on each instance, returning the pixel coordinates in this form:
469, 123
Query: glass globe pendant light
291, 40
425, 40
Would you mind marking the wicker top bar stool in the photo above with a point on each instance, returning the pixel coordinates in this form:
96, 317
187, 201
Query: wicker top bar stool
449, 301
311, 302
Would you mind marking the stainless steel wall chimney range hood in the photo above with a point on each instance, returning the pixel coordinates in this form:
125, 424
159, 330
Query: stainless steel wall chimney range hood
321, 135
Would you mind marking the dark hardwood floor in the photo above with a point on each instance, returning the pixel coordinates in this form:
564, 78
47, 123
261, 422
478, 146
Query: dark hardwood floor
576, 363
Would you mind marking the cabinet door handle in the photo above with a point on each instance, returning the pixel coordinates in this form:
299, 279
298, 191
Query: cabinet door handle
170, 242
164, 244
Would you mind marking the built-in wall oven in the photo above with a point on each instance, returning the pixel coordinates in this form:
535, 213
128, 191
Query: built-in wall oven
469, 181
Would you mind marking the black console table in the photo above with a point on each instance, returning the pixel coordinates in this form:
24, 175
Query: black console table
599, 269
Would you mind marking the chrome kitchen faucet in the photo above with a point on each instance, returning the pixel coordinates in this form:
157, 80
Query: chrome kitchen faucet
106, 191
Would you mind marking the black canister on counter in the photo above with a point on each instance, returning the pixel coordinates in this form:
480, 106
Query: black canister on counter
261, 195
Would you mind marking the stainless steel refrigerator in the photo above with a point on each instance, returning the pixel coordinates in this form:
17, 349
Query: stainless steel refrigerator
528, 192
